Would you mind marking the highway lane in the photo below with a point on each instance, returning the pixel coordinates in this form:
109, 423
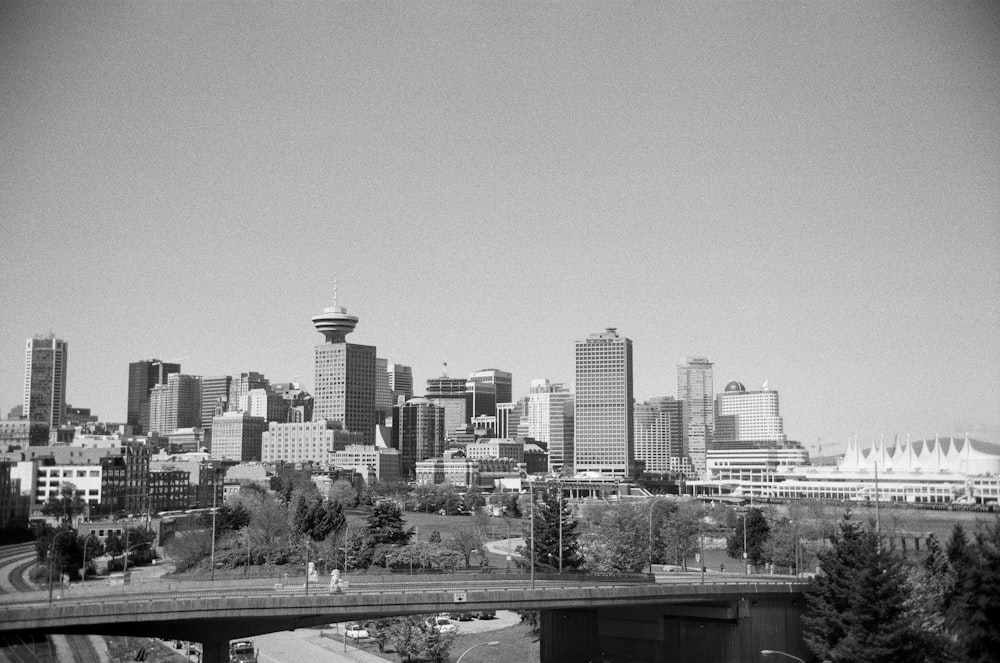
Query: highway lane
15, 561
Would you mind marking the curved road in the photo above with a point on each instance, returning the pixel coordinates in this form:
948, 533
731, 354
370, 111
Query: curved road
15, 562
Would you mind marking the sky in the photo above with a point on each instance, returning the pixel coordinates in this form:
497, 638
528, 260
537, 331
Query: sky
807, 193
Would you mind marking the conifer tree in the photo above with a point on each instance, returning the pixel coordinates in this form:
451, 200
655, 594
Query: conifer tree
551, 514
857, 608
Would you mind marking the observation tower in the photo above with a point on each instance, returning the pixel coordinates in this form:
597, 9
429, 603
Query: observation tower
334, 323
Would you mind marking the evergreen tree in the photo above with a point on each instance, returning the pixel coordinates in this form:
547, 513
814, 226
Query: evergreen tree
552, 515
385, 524
757, 534
973, 607
857, 607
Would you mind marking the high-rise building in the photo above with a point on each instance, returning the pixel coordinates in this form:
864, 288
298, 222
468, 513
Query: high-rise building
345, 375
400, 382
214, 394
176, 404
383, 393
298, 401
265, 403
314, 441
142, 377
660, 433
237, 436
418, 431
550, 420
751, 418
503, 428
44, 403
242, 385
695, 387
483, 398
602, 439
503, 381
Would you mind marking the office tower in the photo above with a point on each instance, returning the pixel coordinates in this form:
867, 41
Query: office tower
400, 382
503, 428
214, 393
751, 418
602, 439
142, 377
237, 436
241, 386
445, 386
265, 403
176, 404
695, 387
502, 379
550, 420
482, 398
418, 432
660, 433
383, 393
298, 401
44, 403
314, 441
345, 375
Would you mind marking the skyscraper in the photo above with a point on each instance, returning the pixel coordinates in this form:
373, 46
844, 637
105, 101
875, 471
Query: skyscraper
418, 431
383, 393
660, 433
241, 385
214, 394
44, 403
400, 382
345, 375
142, 377
695, 388
502, 379
750, 418
550, 420
602, 440
176, 404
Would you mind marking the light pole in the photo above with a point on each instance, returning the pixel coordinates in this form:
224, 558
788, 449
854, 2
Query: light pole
52, 548
83, 569
652, 506
531, 492
491, 643
215, 476
746, 553
774, 652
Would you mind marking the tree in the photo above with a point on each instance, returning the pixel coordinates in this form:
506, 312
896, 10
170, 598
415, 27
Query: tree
414, 636
465, 541
857, 606
972, 606
757, 533
554, 524
344, 493
66, 505
620, 542
679, 532
385, 523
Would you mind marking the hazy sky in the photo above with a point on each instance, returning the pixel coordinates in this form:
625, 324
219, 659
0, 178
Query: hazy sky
807, 193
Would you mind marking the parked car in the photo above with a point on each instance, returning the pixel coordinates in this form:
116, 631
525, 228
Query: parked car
356, 631
442, 624
486, 614
462, 616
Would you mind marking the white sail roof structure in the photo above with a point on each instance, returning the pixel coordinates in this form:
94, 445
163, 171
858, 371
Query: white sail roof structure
961, 456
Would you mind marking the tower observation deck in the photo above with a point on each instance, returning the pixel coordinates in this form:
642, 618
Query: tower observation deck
334, 323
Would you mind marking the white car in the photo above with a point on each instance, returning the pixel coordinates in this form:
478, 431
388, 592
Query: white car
442, 624
356, 631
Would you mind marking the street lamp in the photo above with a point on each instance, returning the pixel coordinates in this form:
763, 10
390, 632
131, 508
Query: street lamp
215, 476
52, 547
491, 643
774, 652
746, 553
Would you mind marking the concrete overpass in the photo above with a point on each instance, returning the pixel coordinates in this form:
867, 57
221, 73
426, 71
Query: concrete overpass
584, 618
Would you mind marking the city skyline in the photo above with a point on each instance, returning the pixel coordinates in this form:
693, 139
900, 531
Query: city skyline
802, 194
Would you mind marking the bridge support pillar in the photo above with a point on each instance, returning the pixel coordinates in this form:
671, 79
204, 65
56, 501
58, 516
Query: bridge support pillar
215, 651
